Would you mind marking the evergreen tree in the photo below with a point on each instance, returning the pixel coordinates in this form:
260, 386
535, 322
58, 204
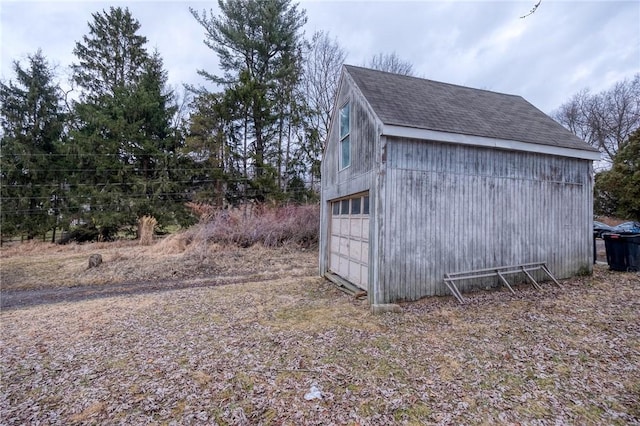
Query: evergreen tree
32, 185
208, 145
153, 144
258, 44
617, 191
111, 56
124, 145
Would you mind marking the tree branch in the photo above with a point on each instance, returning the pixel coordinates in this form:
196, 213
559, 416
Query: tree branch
532, 11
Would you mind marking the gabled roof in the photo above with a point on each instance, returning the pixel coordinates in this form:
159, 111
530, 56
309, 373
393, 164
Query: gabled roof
418, 103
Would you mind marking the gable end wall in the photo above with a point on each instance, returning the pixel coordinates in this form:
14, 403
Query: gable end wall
360, 176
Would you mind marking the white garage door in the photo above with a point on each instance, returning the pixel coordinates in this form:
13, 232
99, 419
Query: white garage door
350, 239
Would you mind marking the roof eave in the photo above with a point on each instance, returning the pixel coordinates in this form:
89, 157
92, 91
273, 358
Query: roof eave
439, 136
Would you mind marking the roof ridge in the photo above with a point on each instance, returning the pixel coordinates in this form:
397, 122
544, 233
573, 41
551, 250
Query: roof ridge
430, 80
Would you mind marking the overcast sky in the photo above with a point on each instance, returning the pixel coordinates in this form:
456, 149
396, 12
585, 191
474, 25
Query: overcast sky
565, 46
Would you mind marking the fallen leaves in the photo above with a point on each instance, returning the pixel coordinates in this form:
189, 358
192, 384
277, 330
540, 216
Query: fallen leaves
249, 353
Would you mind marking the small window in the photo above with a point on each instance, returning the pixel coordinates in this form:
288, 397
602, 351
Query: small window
365, 205
345, 143
336, 208
345, 207
355, 205
345, 148
344, 121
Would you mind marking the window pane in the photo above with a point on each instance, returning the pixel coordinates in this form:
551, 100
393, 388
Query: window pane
365, 207
344, 121
345, 207
346, 153
336, 208
355, 205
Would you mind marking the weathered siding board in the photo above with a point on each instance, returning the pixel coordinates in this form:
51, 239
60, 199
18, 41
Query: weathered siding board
467, 160
360, 175
363, 135
451, 208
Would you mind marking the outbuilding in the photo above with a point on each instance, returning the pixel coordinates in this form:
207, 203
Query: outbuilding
422, 179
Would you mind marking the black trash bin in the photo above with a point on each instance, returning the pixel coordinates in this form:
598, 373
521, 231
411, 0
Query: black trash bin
633, 245
623, 251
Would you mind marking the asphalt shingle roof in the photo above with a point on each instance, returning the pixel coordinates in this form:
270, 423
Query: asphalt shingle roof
425, 104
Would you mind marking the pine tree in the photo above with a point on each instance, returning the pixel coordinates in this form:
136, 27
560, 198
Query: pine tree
124, 142
112, 55
32, 186
209, 142
258, 44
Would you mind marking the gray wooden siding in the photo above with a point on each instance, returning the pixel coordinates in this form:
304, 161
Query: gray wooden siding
359, 176
363, 134
449, 208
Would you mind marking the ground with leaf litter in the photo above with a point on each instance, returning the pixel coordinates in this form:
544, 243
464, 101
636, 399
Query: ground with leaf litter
250, 352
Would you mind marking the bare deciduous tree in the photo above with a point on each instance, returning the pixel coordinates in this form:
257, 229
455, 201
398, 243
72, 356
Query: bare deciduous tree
391, 62
321, 75
606, 119
323, 64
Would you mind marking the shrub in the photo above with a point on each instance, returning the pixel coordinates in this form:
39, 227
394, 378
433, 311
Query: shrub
81, 234
253, 224
89, 233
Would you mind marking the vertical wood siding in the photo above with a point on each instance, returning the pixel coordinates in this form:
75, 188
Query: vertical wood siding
363, 133
360, 175
451, 208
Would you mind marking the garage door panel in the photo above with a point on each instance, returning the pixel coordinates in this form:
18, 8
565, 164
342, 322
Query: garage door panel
364, 273
355, 251
349, 245
335, 225
354, 272
335, 244
344, 226
334, 260
343, 268
343, 248
355, 228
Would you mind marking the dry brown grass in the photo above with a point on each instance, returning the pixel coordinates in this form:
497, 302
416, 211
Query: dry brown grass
178, 257
146, 227
248, 353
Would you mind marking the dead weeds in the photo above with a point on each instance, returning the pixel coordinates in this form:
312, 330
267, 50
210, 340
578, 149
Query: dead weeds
248, 354
38, 265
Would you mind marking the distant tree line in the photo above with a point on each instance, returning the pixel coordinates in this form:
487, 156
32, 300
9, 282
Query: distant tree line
610, 121
122, 144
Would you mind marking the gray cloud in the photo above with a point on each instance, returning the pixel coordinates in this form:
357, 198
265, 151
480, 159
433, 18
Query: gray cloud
547, 57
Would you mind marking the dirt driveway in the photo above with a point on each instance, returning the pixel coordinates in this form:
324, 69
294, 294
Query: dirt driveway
37, 274
42, 296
